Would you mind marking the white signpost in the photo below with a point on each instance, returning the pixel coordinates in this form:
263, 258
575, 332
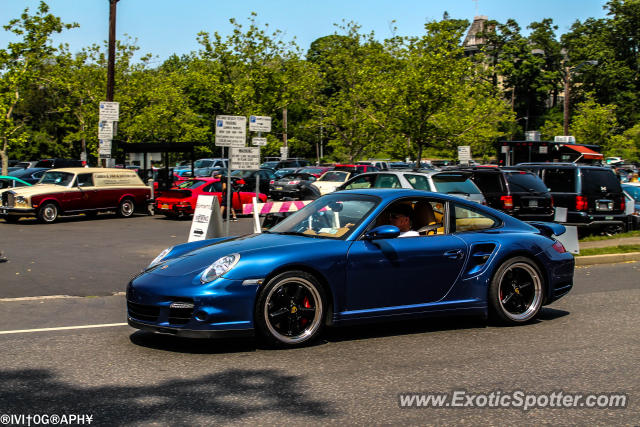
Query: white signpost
109, 111
231, 131
246, 158
464, 153
207, 222
105, 130
104, 148
260, 123
260, 142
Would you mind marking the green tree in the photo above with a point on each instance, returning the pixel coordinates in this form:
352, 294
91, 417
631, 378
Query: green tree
21, 66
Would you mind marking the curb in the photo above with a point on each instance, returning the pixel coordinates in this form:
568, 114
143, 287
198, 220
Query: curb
607, 258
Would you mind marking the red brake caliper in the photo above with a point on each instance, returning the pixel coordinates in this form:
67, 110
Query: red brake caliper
306, 304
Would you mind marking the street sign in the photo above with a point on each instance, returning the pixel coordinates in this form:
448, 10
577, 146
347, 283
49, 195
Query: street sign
565, 138
231, 131
260, 123
109, 111
247, 158
464, 153
260, 142
105, 130
284, 153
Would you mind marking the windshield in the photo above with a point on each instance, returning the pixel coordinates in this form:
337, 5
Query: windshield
334, 216
203, 163
191, 184
454, 184
242, 174
58, 178
334, 176
633, 191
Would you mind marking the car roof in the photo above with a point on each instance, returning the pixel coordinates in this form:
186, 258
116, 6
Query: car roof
89, 170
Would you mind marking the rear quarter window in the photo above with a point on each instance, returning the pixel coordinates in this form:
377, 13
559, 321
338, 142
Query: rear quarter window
454, 185
488, 182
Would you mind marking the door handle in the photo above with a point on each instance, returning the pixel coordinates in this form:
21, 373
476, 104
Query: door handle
454, 254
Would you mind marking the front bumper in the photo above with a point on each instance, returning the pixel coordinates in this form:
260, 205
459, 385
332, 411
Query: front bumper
17, 212
190, 333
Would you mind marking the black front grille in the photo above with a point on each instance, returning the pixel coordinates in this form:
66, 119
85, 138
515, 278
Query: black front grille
147, 313
8, 199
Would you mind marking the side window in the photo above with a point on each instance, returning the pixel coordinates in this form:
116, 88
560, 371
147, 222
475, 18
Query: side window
469, 220
85, 180
387, 181
38, 174
419, 182
361, 182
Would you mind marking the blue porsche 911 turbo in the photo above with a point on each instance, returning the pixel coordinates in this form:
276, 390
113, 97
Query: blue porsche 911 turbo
352, 257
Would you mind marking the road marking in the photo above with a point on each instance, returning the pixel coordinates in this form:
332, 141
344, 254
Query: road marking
61, 328
43, 297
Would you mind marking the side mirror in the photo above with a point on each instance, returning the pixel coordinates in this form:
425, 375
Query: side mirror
383, 232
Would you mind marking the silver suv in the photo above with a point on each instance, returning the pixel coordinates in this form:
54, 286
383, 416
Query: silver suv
456, 183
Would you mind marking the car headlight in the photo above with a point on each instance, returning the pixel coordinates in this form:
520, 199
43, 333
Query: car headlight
21, 200
160, 257
220, 267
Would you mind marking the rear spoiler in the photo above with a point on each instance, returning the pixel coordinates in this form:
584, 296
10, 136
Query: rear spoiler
548, 229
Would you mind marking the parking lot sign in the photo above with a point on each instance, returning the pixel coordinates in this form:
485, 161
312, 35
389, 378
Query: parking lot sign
231, 131
109, 111
260, 123
247, 158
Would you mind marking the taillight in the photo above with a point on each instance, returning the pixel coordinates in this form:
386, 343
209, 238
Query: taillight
507, 202
559, 247
622, 205
581, 203
272, 181
294, 182
551, 201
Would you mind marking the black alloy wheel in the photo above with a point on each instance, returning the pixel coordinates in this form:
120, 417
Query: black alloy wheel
516, 292
290, 310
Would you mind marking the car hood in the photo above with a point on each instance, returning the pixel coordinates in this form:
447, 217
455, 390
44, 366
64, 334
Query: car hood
39, 189
266, 246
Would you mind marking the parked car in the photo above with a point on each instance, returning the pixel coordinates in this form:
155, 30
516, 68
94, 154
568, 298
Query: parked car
269, 165
30, 175
60, 163
292, 163
316, 171
8, 182
457, 183
519, 193
382, 165
27, 165
356, 169
591, 194
250, 178
632, 189
205, 167
181, 200
70, 191
338, 262
294, 185
331, 180
279, 173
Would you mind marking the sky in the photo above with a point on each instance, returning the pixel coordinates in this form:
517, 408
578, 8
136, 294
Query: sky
166, 27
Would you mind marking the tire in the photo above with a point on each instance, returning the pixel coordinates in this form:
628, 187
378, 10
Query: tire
516, 291
126, 208
48, 213
290, 310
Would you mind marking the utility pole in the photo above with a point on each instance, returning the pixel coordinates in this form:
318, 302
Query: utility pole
567, 88
284, 126
112, 50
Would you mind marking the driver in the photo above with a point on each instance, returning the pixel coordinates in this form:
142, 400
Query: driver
400, 216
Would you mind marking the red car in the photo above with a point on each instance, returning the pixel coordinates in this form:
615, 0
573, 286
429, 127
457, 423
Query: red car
181, 200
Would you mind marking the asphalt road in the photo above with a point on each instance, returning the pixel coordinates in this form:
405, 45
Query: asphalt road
585, 343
